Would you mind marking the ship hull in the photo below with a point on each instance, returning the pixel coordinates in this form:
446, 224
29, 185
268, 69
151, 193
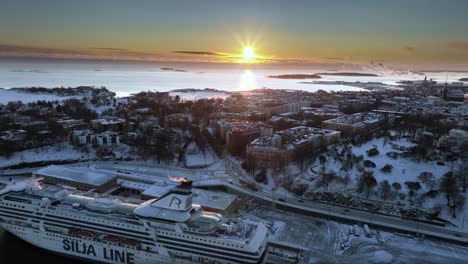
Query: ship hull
86, 249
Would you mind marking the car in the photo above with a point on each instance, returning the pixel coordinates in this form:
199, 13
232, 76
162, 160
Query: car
282, 200
301, 201
356, 230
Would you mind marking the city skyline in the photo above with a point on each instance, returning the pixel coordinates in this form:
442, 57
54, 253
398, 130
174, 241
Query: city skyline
419, 33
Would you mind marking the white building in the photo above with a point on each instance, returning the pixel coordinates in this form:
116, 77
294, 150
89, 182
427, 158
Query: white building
356, 123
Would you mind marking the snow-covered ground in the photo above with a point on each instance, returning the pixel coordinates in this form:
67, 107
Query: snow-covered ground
195, 158
406, 168
403, 168
63, 151
325, 240
10, 95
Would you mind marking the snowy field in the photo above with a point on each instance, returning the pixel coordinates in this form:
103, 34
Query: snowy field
195, 158
325, 240
403, 168
9, 95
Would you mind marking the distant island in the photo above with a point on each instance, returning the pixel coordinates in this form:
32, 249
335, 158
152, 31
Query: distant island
172, 69
318, 75
64, 91
33, 71
347, 74
195, 90
463, 80
295, 76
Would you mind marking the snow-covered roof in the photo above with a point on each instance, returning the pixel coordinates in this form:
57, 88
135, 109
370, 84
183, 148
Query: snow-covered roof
291, 137
358, 119
133, 185
76, 174
213, 199
159, 189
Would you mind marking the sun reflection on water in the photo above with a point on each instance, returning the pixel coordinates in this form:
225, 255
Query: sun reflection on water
248, 80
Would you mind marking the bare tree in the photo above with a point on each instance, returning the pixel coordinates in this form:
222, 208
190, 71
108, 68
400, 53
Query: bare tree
366, 182
428, 179
385, 190
449, 186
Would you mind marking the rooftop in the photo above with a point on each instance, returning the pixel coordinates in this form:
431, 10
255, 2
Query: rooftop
358, 119
80, 175
213, 199
290, 137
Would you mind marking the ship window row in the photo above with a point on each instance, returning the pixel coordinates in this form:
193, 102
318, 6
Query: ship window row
201, 239
10, 211
204, 253
17, 199
195, 244
12, 216
139, 238
68, 224
96, 219
94, 224
14, 205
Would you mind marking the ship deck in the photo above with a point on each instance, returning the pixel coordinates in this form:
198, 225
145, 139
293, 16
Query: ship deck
63, 199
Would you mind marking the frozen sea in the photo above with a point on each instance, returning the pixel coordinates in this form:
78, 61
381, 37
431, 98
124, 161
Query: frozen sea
126, 78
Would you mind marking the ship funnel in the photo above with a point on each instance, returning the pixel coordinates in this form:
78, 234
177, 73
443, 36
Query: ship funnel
179, 198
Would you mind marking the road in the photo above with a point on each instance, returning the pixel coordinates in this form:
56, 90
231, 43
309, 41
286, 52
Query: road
229, 173
330, 211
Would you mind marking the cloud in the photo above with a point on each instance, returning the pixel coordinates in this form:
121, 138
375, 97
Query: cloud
458, 45
334, 58
209, 53
20, 50
410, 49
109, 49
9, 50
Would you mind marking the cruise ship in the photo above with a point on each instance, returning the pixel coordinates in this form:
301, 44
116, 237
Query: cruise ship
112, 229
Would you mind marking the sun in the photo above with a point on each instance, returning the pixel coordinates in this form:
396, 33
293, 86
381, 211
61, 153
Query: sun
248, 53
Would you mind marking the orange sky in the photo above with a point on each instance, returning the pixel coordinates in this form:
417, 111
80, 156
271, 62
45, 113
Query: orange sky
418, 32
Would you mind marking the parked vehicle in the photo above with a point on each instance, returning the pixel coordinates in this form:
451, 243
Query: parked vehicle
367, 231
357, 231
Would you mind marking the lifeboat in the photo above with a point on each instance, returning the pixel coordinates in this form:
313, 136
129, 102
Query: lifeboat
129, 242
110, 238
85, 233
73, 231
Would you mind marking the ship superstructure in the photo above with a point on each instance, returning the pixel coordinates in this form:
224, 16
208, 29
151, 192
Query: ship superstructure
113, 229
